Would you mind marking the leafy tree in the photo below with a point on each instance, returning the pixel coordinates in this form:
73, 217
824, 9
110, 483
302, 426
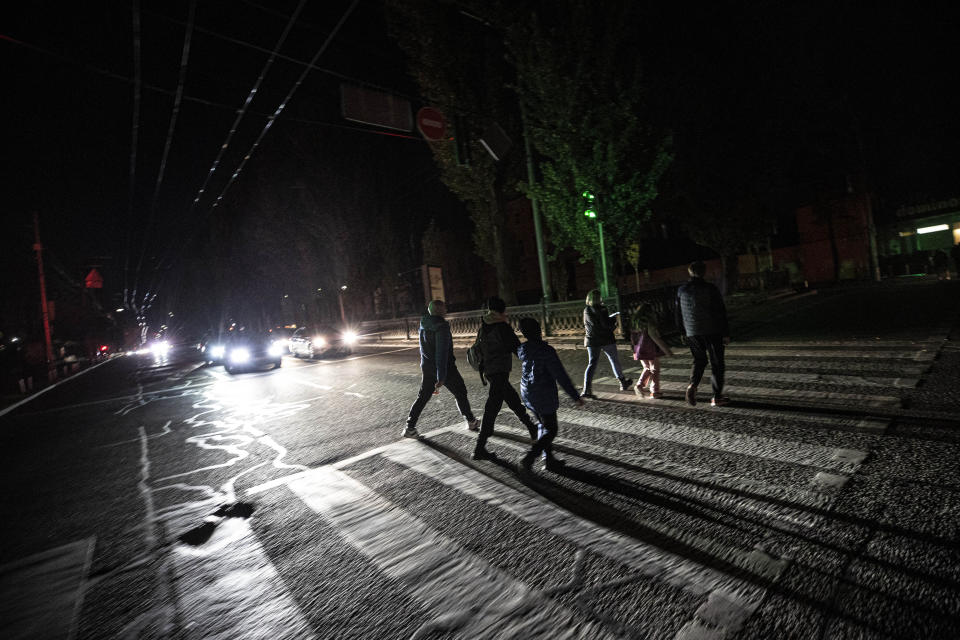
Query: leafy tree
581, 86
459, 67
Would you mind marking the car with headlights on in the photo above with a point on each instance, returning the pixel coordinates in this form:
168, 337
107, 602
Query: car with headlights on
246, 351
323, 341
212, 349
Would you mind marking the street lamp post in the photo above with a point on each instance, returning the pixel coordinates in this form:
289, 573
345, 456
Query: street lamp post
343, 315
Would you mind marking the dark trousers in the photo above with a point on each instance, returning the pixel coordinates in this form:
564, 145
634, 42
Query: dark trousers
548, 431
703, 347
501, 391
454, 383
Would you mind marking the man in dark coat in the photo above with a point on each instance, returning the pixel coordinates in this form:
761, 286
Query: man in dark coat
702, 318
499, 344
540, 372
439, 368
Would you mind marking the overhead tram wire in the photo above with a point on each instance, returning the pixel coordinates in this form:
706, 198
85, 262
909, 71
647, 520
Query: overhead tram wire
146, 86
286, 100
290, 59
246, 104
276, 114
233, 129
133, 149
184, 59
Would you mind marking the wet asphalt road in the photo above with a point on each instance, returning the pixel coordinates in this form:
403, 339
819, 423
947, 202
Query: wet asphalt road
823, 503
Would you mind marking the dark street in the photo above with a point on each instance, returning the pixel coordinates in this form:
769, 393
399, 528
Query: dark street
174, 500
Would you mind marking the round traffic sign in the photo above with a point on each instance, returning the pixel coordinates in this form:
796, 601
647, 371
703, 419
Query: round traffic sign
431, 123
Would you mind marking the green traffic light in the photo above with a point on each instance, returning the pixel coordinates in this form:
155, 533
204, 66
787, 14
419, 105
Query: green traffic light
590, 213
589, 196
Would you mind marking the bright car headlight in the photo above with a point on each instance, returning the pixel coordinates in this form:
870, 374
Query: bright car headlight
277, 348
349, 337
319, 341
239, 355
160, 348
217, 351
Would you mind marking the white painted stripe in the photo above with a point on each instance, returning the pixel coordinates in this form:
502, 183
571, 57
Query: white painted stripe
649, 560
784, 376
755, 446
748, 393
20, 403
831, 354
340, 464
243, 597
803, 378
465, 594
926, 343
41, 596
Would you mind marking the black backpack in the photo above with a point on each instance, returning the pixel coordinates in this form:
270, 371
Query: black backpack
475, 354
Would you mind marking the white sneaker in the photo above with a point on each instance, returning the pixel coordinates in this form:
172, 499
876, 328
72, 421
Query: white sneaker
410, 432
473, 425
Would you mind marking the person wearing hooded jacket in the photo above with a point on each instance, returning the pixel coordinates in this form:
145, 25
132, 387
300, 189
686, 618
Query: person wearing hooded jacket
599, 338
439, 368
540, 372
498, 344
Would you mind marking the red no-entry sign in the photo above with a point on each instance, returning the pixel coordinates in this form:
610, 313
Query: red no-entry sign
431, 123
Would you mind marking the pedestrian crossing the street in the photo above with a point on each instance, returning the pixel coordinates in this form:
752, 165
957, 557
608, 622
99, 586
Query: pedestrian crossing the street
665, 522
683, 514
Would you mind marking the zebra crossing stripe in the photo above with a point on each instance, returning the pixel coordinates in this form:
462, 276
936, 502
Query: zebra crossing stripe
927, 343
754, 446
730, 600
767, 393
917, 355
466, 595
248, 586
802, 378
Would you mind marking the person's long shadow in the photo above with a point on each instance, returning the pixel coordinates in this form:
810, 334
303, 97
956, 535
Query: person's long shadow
707, 512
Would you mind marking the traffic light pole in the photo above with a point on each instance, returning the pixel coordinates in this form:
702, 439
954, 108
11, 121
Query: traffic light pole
605, 287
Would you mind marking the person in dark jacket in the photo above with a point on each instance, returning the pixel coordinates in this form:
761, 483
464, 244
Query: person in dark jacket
599, 326
702, 318
540, 371
499, 344
439, 368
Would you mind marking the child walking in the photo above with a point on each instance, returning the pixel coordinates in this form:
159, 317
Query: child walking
648, 347
541, 370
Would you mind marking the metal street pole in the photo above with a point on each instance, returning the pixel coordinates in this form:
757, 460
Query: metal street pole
537, 227
605, 288
43, 291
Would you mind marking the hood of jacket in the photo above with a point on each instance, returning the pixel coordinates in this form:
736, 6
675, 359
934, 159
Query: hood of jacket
492, 317
431, 323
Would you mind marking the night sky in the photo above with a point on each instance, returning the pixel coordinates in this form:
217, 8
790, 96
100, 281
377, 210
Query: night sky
736, 84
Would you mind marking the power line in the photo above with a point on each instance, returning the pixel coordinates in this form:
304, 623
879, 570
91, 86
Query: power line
184, 58
279, 110
246, 103
296, 61
233, 128
133, 144
289, 96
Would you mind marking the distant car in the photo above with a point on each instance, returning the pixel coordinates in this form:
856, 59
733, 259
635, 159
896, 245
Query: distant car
324, 341
250, 351
212, 349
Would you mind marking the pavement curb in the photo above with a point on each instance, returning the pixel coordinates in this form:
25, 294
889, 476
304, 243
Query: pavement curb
36, 395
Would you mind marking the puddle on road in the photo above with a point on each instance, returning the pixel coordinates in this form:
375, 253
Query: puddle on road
201, 534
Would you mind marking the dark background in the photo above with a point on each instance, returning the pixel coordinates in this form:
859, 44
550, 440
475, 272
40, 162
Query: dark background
814, 89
